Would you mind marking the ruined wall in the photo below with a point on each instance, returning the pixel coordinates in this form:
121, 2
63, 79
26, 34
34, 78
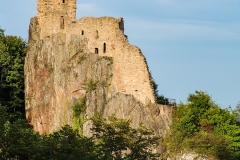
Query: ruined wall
61, 7
105, 37
130, 65
55, 15
62, 61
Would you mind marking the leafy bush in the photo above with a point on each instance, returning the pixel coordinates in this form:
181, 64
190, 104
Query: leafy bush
112, 140
162, 100
78, 114
209, 144
79, 107
204, 126
115, 139
90, 85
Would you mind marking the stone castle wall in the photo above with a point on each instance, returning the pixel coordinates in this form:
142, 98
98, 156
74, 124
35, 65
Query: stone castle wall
62, 7
132, 75
65, 54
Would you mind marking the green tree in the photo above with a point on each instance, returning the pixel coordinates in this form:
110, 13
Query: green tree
12, 54
160, 99
236, 112
18, 141
209, 144
3, 120
115, 139
203, 125
66, 144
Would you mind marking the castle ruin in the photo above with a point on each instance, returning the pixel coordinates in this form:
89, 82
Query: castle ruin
66, 55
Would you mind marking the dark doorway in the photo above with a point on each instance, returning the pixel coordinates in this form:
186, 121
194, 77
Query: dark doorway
104, 47
96, 50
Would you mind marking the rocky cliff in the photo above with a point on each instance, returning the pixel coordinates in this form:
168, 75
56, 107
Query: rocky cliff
85, 65
60, 71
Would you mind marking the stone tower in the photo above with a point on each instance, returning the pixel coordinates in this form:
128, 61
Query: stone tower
54, 15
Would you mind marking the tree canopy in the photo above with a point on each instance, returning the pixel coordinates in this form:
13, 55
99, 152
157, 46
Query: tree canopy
113, 139
12, 54
202, 126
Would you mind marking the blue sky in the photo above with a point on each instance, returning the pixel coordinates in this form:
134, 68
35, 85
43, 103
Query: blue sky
189, 45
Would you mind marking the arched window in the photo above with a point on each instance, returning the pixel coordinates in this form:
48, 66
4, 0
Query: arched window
96, 50
62, 22
104, 47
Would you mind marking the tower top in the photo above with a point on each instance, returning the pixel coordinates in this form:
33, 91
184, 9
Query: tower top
60, 7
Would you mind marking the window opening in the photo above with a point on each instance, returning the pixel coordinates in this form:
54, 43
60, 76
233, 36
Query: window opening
82, 32
62, 22
63, 1
96, 36
104, 47
96, 50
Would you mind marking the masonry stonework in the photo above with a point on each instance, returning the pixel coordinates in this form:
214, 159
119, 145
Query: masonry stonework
65, 54
133, 76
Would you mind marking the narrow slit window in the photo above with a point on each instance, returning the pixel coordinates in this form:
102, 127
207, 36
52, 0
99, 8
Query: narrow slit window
104, 47
96, 50
62, 22
82, 32
63, 1
96, 35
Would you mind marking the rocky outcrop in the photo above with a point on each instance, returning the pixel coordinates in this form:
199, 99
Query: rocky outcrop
60, 69
86, 63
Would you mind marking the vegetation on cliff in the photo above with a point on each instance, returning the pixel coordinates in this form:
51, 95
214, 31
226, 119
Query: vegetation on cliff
160, 99
112, 139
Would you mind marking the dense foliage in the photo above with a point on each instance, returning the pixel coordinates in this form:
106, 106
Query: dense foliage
12, 54
203, 127
114, 139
